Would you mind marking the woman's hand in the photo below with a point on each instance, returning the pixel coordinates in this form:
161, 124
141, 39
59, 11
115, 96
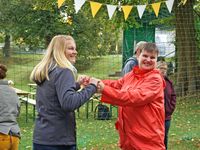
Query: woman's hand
83, 80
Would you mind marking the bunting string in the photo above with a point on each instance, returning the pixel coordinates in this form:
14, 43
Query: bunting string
95, 7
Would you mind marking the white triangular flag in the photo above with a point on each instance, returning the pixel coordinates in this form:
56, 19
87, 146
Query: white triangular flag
141, 9
78, 4
169, 4
111, 10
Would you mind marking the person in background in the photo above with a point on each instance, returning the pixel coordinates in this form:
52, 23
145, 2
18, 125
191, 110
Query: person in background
58, 96
132, 61
9, 111
140, 97
169, 97
161, 58
6, 82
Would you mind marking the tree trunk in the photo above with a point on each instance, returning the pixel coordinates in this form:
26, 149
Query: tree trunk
6, 48
186, 49
47, 40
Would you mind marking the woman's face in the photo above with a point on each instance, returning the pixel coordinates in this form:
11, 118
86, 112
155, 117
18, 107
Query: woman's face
70, 52
147, 60
163, 69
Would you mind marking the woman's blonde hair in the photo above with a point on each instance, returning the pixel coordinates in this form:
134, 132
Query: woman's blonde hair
55, 56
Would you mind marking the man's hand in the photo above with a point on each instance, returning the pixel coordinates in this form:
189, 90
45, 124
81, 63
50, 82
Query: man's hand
10, 82
100, 86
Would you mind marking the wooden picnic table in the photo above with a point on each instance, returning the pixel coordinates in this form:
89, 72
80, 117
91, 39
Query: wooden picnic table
32, 86
21, 92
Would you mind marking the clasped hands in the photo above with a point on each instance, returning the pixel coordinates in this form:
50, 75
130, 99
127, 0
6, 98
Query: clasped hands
84, 80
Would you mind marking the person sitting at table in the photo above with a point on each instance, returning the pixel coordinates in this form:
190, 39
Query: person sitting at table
6, 82
9, 110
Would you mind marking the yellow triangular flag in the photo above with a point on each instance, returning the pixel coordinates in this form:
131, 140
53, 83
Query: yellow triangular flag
126, 9
60, 2
95, 7
156, 8
184, 2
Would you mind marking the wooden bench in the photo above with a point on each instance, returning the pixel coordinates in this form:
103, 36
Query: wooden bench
27, 102
24, 97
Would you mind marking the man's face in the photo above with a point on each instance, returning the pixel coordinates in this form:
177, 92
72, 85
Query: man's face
147, 60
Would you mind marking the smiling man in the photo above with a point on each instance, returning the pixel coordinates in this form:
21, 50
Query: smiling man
139, 95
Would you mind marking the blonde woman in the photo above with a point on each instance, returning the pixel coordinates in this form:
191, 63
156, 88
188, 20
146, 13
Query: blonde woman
57, 96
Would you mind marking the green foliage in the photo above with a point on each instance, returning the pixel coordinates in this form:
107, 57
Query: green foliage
94, 36
1, 39
34, 23
41, 22
197, 7
197, 27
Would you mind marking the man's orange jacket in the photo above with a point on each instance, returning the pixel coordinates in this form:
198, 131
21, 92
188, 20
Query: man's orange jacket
140, 98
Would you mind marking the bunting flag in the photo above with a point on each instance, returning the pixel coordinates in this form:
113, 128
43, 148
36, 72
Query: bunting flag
78, 4
60, 2
95, 6
111, 9
169, 4
184, 2
156, 8
141, 9
126, 9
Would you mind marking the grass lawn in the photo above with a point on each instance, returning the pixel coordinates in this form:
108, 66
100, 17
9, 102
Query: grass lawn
104, 66
101, 135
